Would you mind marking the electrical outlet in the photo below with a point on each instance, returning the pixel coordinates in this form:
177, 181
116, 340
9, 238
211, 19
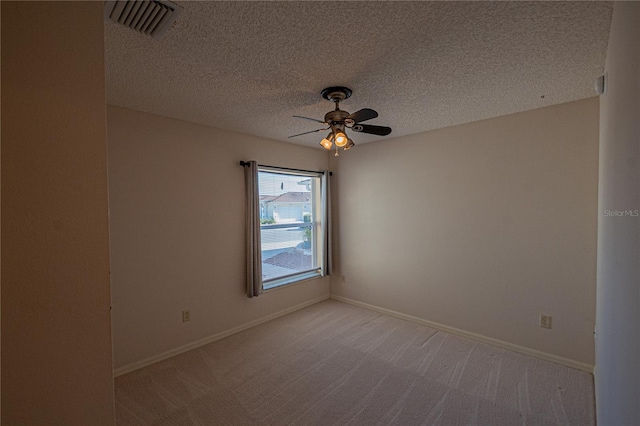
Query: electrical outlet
186, 316
545, 321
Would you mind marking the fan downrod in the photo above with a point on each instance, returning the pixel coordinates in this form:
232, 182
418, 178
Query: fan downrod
336, 93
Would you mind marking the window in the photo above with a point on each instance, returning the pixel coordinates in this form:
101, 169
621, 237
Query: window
291, 229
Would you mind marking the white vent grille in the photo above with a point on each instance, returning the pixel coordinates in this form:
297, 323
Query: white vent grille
151, 17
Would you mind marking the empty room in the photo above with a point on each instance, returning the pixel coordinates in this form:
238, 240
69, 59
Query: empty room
328, 213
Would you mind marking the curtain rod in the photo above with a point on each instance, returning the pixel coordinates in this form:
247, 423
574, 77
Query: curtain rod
246, 164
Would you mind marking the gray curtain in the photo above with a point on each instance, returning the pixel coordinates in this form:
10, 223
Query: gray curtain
326, 221
254, 253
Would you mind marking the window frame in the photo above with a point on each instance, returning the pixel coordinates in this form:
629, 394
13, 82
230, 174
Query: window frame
316, 225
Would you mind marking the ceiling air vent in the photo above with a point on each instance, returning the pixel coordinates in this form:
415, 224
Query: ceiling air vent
151, 17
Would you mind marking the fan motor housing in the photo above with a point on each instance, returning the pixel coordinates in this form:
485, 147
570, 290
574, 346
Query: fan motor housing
336, 116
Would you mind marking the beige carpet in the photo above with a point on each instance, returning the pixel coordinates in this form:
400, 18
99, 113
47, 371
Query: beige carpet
337, 364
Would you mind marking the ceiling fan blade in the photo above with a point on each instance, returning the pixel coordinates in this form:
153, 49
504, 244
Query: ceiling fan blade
363, 115
374, 130
312, 131
312, 119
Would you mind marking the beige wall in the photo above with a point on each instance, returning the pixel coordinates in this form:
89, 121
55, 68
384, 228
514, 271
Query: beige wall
56, 335
618, 308
177, 232
481, 227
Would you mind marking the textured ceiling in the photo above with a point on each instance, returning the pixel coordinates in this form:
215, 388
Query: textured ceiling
249, 66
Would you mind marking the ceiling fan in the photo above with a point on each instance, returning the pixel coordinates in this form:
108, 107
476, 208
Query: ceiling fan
339, 120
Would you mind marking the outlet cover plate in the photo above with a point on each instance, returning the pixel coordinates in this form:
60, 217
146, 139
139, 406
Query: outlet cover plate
545, 321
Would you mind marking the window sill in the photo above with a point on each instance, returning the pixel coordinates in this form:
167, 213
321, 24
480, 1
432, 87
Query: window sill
282, 282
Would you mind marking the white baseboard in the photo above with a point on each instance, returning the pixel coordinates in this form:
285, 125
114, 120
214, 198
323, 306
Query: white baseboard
193, 345
488, 340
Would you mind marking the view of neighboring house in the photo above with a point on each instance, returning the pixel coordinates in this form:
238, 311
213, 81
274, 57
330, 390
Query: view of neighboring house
286, 208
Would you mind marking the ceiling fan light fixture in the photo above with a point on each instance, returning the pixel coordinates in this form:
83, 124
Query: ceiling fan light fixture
339, 120
326, 143
341, 139
349, 144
